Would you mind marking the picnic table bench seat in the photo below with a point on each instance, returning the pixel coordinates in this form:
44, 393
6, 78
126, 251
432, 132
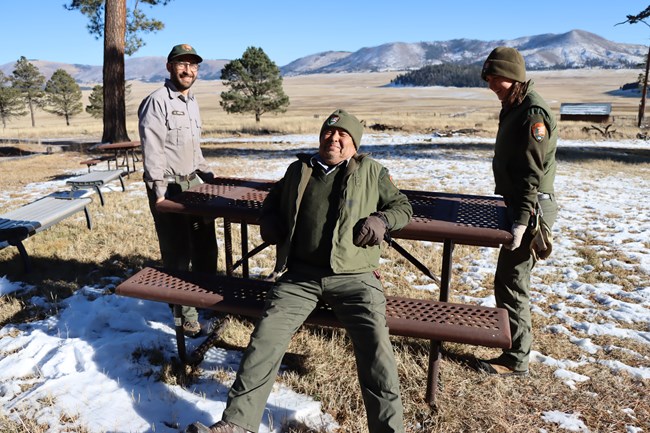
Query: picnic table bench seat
96, 179
39, 215
419, 318
97, 159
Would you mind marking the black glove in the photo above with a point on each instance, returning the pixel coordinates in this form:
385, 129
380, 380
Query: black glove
370, 231
271, 229
205, 176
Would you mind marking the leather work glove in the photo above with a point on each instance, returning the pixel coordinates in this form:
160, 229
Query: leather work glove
271, 229
541, 245
517, 231
370, 231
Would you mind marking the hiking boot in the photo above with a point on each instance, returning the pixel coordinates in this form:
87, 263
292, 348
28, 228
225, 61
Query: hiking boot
220, 427
493, 367
191, 328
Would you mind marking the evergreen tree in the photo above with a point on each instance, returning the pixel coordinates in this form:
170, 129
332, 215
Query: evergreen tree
11, 101
96, 100
29, 81
63, 96
445, 74
120, 26
641, 17
255, 85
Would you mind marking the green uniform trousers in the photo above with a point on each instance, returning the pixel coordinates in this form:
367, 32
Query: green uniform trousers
359, 303
512, 292
186, 241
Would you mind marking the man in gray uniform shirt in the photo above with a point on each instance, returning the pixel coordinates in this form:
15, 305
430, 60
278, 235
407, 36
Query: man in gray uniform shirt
170, 130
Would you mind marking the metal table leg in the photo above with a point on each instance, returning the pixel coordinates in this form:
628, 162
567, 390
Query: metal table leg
244, 249
445, 274
227, 235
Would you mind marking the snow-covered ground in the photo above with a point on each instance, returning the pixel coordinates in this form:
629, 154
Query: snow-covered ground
80, 362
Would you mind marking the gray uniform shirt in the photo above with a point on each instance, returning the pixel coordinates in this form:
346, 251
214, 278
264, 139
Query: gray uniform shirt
170, 130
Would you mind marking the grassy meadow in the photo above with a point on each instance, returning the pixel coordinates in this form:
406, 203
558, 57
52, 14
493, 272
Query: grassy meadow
123, 240
368, 96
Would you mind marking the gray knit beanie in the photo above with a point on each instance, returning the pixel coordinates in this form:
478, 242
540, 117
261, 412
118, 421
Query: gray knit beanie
505, 62
344, 120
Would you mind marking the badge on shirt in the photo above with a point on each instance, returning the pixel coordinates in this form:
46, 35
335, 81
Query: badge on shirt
178, 113
539, 131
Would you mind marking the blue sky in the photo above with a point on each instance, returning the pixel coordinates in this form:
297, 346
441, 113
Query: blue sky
288, 29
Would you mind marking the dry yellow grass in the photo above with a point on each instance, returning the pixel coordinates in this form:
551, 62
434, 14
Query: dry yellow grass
368, 96
68, 256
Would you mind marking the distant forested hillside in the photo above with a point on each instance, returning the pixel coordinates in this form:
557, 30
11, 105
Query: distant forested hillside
446, 74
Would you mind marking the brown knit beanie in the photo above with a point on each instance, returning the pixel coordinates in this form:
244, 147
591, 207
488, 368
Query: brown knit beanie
344, 120
505, 62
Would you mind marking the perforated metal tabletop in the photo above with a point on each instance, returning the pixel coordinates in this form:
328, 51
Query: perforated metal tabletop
465, 219
437, 217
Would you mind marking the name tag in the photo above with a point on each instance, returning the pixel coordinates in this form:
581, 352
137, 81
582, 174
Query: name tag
178, 113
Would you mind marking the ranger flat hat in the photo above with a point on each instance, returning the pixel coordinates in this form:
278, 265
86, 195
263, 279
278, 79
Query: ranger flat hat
183, 50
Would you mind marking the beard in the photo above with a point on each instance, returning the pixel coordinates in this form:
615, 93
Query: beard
182, 85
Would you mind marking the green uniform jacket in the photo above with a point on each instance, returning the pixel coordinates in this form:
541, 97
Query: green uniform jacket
366, 188
524, 162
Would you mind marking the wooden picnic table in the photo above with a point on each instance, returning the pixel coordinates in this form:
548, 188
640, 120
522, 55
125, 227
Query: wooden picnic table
122, 152
437, 217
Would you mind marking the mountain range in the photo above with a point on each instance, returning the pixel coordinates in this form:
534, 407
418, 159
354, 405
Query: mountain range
573, 49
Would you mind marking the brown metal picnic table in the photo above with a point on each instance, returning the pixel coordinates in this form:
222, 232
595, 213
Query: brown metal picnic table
122, 151
437, 217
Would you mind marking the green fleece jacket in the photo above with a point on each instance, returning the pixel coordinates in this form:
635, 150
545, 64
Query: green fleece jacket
366, 188
524, 154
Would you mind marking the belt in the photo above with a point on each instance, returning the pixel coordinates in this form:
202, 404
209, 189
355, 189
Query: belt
543, 196
180, 178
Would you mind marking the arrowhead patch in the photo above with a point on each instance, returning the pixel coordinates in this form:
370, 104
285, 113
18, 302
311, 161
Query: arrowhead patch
539, 131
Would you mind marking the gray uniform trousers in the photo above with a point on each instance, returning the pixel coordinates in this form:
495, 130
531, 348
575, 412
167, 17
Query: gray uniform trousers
512, 292
186, 241
359, 303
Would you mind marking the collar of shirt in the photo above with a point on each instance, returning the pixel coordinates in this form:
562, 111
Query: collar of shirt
174, 93
327, 169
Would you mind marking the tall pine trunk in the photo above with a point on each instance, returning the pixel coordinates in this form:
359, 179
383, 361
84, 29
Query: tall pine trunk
31, 112
114, 87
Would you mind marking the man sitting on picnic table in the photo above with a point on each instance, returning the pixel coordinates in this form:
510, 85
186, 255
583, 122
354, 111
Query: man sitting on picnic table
328, 216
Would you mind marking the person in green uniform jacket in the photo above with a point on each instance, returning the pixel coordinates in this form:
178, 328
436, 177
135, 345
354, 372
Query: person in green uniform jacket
524, 171
328, 216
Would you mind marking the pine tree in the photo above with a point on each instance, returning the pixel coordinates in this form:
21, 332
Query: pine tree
11, 101
62, 96
29, 81
255, 85
120, 27
641, 17
96, 100
445, 74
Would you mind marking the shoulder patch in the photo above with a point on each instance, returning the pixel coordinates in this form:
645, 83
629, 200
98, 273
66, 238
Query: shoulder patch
538, 130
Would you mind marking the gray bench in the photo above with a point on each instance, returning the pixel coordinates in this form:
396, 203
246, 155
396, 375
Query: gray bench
419, 318
26, 221
96, 179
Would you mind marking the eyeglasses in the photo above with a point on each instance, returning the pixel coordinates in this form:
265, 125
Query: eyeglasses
187, 65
